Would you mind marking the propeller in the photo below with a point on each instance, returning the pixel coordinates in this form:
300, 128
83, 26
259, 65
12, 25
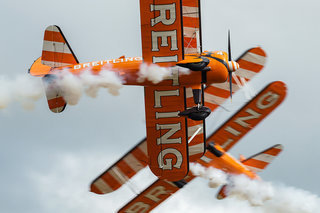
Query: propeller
232, 65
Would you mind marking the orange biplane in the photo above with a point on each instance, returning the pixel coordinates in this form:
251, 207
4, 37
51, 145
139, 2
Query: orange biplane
221, 141
175, 111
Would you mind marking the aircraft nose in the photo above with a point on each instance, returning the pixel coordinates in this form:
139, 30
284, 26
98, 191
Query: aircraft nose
233, 66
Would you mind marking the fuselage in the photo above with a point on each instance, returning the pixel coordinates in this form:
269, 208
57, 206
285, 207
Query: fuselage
226, 163
128, 69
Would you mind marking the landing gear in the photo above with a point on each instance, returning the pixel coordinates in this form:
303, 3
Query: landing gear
198, 112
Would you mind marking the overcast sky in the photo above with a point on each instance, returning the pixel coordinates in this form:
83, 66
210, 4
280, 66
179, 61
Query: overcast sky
48, 160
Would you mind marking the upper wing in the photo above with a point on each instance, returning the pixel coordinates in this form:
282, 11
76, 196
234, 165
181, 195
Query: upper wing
154, 195
249, 116
166, 132
162, 44
191, 26
161, 31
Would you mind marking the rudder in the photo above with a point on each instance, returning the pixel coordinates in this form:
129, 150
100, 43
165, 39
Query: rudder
56, 51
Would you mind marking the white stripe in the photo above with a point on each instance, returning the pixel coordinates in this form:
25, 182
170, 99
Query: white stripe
225, 86
192, 12
194, 135
188, 50
53, 46
280, 147
102, 186
213, 99
254, 58
167, 114
57, 109
170, 183
54, 64
143, 147
190, 32
198, 41
206, 159
264, 157
193, 129
118, 175
133, 163
196, 149
253, 169
52, 28
245, 73
235, 78
189, 93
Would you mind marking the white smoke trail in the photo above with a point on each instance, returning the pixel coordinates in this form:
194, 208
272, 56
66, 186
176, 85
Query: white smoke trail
26, 89
257, 192
23, 89
156, 74
73, 86
240, 186
215, 176
263, 196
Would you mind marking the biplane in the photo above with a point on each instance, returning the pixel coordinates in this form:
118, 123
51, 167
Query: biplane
216, 156
175, 106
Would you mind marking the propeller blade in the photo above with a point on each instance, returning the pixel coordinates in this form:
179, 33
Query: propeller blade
229, 47
230, 84
229, 59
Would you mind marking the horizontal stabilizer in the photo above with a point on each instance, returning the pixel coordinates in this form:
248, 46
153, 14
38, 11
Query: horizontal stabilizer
54, 96
260, 161
222, 193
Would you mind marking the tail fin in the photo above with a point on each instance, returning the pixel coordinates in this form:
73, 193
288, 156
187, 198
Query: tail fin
260, 161
256, 163
56, 51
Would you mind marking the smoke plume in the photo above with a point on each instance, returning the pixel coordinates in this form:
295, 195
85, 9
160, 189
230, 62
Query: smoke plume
73, 86
263, 196
26, 89
23, 89
155, 73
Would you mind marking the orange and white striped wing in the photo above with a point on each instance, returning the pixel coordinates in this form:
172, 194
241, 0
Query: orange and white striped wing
251, 63
121, 171
56, 52
249, 116
154, 195
191, 26
260, 161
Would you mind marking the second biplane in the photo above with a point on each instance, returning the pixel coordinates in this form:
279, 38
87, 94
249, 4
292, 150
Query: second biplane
171, 38
221, 141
